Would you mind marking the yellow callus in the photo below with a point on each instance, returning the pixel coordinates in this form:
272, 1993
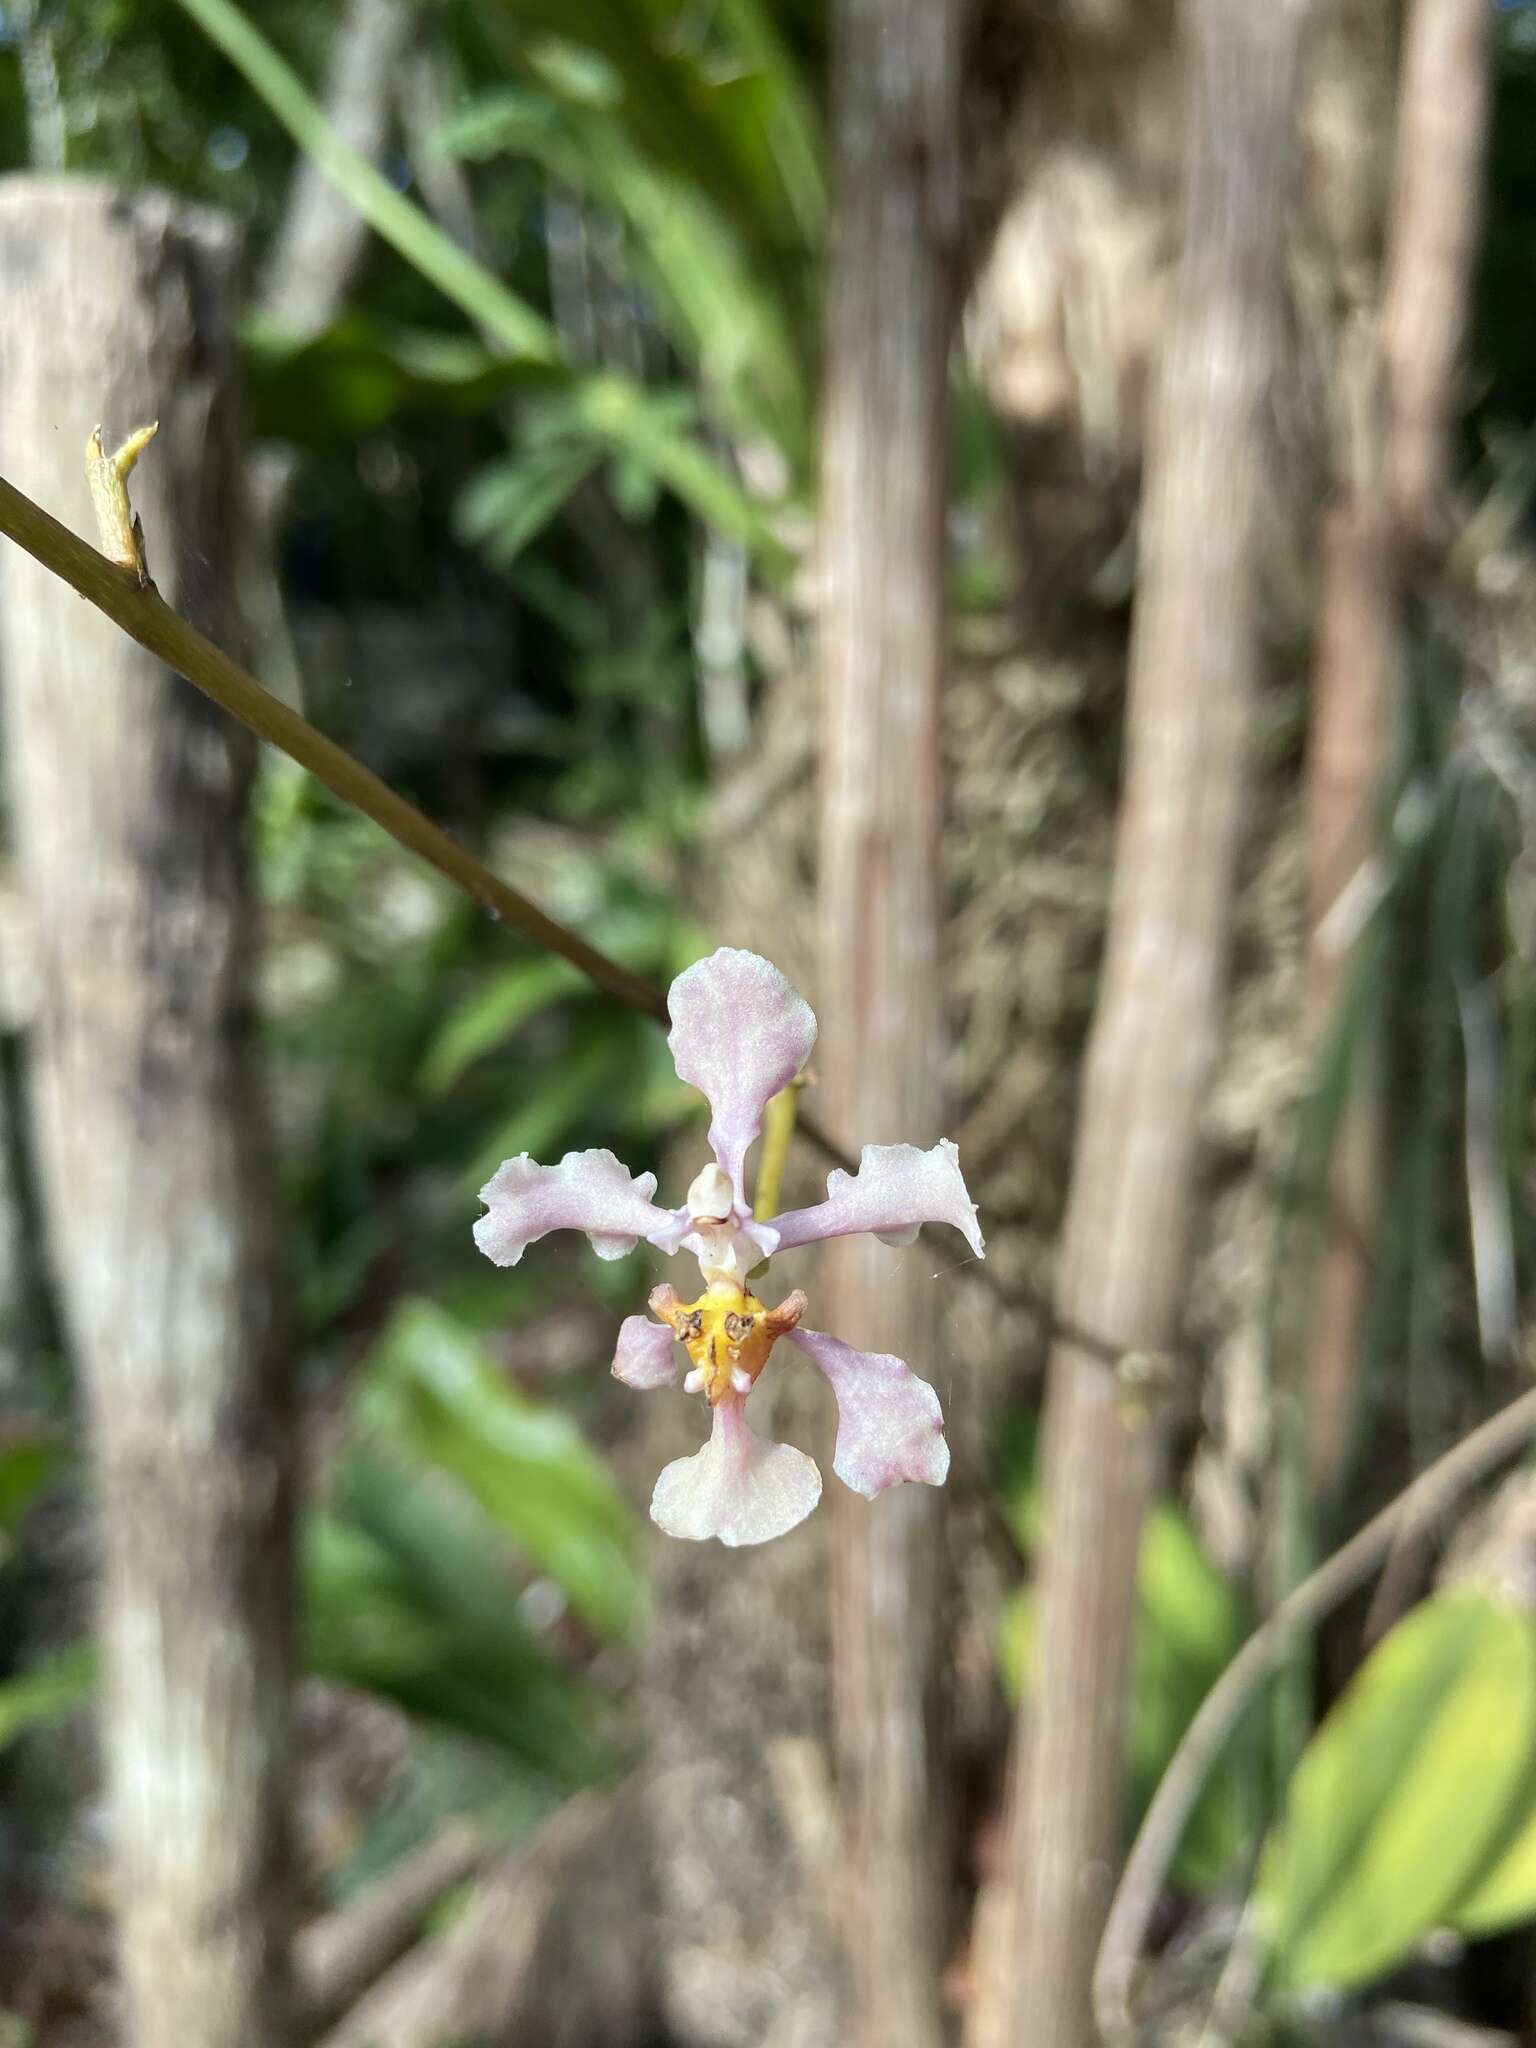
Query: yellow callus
727, 1334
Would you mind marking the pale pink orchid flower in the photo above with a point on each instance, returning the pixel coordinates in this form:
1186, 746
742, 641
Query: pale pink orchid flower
740, 1033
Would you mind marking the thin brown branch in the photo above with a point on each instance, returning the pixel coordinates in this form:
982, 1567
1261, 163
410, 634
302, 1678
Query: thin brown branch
1431, 245
469, 1983
1405, 406
1351, 710
1487, 1447
145, 617
1437, 205
343, 1954
884, 437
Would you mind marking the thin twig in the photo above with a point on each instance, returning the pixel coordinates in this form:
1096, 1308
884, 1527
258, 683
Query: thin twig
474, 1978
145, 616
1147, 1866
343, 1954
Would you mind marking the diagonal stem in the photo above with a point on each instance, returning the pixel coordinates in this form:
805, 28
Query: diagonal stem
146, 617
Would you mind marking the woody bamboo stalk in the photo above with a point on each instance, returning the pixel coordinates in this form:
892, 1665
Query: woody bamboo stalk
891, 302
1373, 543
1130, 1208
128, 800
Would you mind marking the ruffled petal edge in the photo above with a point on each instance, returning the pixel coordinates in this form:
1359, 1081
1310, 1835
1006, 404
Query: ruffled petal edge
590, 1191
897, 1189
890, 1426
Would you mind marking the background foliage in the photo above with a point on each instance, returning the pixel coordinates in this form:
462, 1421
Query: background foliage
496, 575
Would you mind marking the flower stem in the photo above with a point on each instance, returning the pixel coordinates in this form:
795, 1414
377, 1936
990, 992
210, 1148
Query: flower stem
778, 1134
145, 616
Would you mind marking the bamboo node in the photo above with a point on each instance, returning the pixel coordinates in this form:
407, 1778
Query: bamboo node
1145, 1382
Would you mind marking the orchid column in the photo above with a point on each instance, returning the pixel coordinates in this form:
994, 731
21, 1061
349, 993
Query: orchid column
891, 304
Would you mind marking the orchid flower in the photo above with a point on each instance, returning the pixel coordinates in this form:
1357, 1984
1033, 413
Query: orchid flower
740, 1033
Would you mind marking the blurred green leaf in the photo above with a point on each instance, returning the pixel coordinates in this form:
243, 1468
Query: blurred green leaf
681, 107
789, 118
644, 425
611, 406
457, 274
408, 1593
348, 380
719, 311
55, 1686
596, 1066
581, 75
432, 1389
509, 503
490, 1014
30, 1461
573, 612
1190, 1624
1403, 1793
1505, 1894
632, 488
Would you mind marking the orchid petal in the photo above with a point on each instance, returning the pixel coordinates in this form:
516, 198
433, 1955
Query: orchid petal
889, 1423
896, 1190
590, 1191
740, 1487
646, 1355
740, 1033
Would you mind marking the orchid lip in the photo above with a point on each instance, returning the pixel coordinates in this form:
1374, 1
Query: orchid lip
727, 1334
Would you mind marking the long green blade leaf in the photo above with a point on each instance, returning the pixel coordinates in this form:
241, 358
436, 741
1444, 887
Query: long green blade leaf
1404, 1793
389, 213
615, 410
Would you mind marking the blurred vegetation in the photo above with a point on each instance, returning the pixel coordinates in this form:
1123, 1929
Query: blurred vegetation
492, 569
492, 590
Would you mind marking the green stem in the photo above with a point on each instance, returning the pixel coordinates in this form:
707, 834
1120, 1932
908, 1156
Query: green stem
778, 1134
146, 617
